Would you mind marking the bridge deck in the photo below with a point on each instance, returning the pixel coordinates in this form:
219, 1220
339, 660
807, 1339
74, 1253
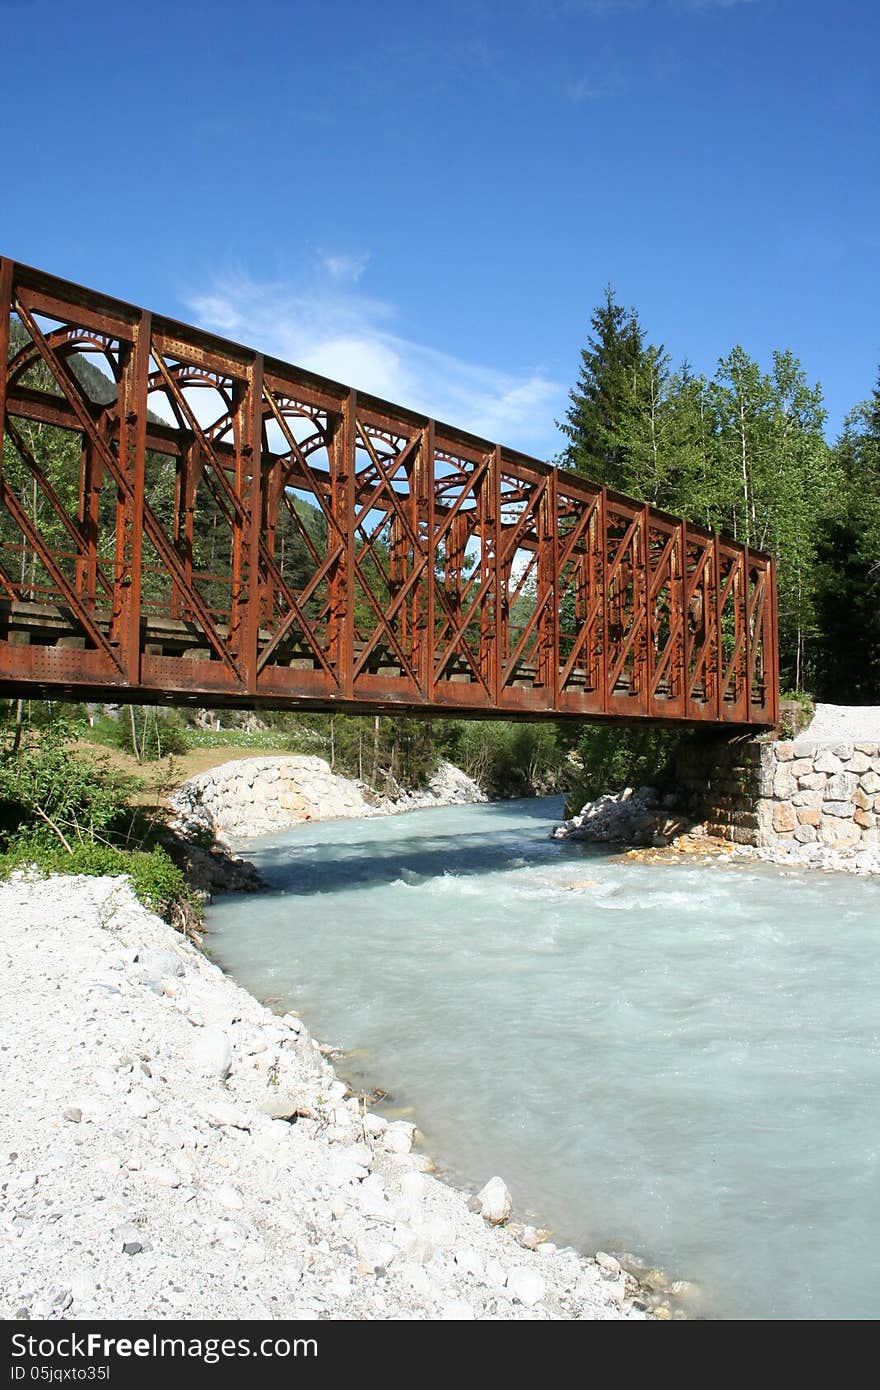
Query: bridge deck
185, 520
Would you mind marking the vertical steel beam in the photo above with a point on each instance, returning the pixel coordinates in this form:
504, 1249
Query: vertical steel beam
714, 594
551, 612
346, 478
132, 455
426, 504
771, 642
6, 269
603, 624
251, 495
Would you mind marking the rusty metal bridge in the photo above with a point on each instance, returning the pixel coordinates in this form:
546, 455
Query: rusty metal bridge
185, 520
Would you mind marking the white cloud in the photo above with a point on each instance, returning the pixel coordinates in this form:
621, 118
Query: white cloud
329, 326
343, 267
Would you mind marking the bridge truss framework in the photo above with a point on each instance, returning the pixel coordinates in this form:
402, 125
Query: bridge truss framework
247, 533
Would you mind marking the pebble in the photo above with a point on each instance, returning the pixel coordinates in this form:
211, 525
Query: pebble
165, 1177
456, 1310
526, 1284
495, 1202
398, 1137
229, 1197
212, 1051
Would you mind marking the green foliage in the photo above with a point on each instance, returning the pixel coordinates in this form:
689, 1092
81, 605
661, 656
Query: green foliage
44, 782
150, 733
156, 880
847, 574
64, 812
506, 758
146, 732
613, 756
742, 453
796, 711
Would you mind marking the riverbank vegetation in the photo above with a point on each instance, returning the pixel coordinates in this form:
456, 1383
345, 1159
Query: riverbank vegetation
67, 811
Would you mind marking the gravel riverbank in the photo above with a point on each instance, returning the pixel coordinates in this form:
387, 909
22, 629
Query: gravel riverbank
171, 1148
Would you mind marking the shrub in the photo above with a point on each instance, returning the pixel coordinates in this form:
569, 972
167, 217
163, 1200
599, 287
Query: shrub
156, 881
44, 782
149, 734
615, 756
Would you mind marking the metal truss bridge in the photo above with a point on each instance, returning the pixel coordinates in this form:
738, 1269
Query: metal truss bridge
184, 520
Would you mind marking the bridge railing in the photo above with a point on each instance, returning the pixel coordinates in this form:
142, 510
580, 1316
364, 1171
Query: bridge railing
182, 518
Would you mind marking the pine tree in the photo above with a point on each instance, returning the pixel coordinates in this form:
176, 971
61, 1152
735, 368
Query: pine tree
848, 575
603, 395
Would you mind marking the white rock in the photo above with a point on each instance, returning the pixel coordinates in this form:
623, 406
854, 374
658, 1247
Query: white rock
227, 1196
469, 1261
141, 1105
495, 1201
398, 1137
220, 1113
212, 1051
456, 1310
163, 1177
526, 1285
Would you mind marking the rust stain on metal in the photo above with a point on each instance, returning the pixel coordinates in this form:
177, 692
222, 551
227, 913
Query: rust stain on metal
247, 533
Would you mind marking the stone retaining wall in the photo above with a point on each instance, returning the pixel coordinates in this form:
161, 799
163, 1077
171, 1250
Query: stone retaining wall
257, 796
766, 793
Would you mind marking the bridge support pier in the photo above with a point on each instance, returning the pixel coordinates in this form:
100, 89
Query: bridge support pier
770, 792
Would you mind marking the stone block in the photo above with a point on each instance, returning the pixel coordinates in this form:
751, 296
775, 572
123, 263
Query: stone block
784, 784
812, 780
809, 815
841, 786
784, 818
784, 751
864, 801
808, 798
838, 833
870, 782
866, 819
843, 810
859, 762
741, 835
806, 834
801, 767
828, 761
844, 751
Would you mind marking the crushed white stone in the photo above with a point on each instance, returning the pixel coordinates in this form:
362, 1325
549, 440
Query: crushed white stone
143, 1177
843, 724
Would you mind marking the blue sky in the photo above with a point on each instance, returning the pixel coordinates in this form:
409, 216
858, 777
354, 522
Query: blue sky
426, 201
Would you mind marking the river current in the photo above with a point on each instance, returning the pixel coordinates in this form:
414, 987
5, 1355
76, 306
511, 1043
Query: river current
676, 1060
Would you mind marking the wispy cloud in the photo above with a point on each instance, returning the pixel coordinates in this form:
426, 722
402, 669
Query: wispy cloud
328, 325
594, 87
343, 267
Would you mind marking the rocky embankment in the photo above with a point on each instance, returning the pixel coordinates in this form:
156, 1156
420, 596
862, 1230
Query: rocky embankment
647, 819
170, 1148
262, 795
813, 802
